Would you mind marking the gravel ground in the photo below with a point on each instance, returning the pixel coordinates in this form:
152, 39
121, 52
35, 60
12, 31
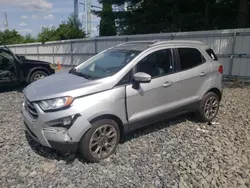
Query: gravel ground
178, 153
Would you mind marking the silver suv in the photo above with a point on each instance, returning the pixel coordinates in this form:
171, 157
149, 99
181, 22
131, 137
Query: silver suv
119, 90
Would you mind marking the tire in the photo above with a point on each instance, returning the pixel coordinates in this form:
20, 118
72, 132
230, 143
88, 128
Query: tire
37, 75
206, 113
91, 137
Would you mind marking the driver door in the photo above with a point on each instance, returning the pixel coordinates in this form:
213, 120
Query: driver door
8, 73
158, 96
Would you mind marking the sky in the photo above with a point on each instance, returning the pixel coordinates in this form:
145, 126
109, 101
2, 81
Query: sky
29, 16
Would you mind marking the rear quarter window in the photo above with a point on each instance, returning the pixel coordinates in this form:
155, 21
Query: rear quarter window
211, 53
190, 58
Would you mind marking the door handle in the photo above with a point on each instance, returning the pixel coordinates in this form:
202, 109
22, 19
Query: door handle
203, 74
167, 84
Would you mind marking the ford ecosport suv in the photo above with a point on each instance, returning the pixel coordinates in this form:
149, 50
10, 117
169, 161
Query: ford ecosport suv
119, 90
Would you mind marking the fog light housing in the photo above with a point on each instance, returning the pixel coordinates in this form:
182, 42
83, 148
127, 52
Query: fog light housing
67, 120
64, 122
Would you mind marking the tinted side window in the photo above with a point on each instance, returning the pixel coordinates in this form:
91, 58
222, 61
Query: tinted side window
7, 61
156, 64
189, 58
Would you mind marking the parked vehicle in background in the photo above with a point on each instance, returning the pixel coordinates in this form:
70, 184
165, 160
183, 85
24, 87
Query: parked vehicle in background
119, 90
15, 70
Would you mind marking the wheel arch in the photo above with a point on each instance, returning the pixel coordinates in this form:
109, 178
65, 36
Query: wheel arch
112, 117
216, 91
36, 69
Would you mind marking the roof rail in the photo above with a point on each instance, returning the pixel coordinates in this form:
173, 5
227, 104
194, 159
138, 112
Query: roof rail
138, 41
177, 42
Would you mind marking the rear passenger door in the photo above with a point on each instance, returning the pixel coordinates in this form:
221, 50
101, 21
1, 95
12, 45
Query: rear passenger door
193, 72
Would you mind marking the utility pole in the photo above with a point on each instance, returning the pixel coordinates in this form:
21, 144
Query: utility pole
76, 9
87, 16
6, 23
88, 5
84, 17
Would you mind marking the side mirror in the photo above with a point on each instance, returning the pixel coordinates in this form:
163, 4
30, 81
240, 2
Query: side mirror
21, 57
142, 77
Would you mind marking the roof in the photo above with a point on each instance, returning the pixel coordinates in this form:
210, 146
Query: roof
142, 45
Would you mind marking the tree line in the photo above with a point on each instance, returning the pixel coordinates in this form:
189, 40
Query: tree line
147, 16
156, 16
70, 29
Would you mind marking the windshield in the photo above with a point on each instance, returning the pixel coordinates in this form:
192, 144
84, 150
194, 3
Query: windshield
105, 64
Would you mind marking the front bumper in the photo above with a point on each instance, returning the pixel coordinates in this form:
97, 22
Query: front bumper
63, 146
59, 138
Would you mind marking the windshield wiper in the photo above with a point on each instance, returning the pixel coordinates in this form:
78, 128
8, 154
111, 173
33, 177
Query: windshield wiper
73, 71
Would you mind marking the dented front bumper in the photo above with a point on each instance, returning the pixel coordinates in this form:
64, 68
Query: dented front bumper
45, 131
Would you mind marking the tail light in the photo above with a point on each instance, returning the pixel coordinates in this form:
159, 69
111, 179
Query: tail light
220, 69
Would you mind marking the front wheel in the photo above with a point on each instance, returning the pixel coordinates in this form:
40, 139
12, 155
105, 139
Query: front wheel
37, 75
209, 107
100, 141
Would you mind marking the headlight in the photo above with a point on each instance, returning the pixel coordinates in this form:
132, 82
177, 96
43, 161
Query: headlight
53, 66
55, 104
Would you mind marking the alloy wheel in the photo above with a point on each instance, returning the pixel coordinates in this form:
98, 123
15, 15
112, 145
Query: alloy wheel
38, 76
211, 107
103, 141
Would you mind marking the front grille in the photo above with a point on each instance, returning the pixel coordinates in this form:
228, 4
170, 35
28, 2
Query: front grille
30, 108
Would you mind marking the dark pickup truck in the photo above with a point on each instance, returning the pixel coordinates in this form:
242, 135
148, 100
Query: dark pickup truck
16, 70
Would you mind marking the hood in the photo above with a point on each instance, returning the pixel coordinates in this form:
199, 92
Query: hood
31, 61
64, 84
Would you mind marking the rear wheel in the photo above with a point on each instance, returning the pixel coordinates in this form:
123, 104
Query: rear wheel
37, 75
100, 141
209, 107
